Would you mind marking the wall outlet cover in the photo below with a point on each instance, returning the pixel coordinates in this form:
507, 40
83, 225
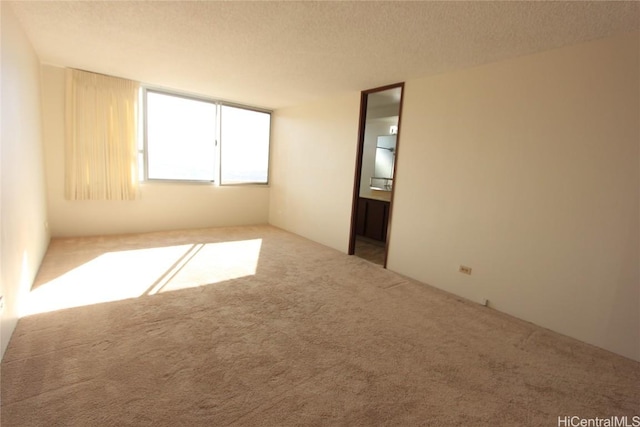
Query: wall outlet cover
465, 270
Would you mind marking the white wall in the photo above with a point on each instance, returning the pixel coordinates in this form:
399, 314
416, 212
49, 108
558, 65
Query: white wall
527, 171
313, 163
162, 206
23, 209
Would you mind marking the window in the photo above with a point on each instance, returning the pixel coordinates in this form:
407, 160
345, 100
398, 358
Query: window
189, 139
245, 145
181, 138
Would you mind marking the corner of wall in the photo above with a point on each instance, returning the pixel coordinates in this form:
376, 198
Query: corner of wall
313, 159
23, 217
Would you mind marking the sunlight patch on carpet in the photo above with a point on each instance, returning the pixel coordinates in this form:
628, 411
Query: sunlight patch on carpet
128, 274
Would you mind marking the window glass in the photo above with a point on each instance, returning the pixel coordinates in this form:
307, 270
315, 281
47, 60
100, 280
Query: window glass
181, 138
244, 138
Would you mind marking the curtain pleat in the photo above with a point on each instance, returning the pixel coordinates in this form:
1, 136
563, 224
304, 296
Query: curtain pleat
101, 130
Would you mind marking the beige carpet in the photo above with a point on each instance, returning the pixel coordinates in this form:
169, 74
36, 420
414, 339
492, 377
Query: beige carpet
288, 333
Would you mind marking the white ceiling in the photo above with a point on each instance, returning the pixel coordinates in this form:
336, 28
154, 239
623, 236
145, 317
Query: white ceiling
275, 54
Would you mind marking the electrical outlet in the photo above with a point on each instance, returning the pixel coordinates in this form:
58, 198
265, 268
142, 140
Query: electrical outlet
465, 270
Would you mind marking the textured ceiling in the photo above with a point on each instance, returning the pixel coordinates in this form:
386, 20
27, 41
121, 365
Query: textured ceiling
275, 54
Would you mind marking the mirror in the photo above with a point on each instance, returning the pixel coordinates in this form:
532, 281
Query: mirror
385, 159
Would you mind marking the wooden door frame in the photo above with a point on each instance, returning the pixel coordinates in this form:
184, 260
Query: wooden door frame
364, 96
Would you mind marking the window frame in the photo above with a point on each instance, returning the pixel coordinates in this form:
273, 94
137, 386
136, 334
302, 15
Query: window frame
217, 160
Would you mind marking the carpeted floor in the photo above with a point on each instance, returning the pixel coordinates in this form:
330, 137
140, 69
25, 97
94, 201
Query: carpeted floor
288, 332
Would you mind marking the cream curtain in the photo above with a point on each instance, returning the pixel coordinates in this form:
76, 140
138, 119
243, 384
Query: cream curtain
101, 137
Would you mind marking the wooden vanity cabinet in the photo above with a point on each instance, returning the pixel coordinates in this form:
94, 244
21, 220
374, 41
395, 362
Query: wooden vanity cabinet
372, 218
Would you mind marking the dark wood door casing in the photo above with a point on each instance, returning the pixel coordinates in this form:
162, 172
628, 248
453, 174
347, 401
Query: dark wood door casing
356, 220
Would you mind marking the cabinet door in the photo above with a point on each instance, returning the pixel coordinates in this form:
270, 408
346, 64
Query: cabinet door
376, 220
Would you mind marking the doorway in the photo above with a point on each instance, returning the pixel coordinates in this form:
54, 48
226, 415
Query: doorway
378, 139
